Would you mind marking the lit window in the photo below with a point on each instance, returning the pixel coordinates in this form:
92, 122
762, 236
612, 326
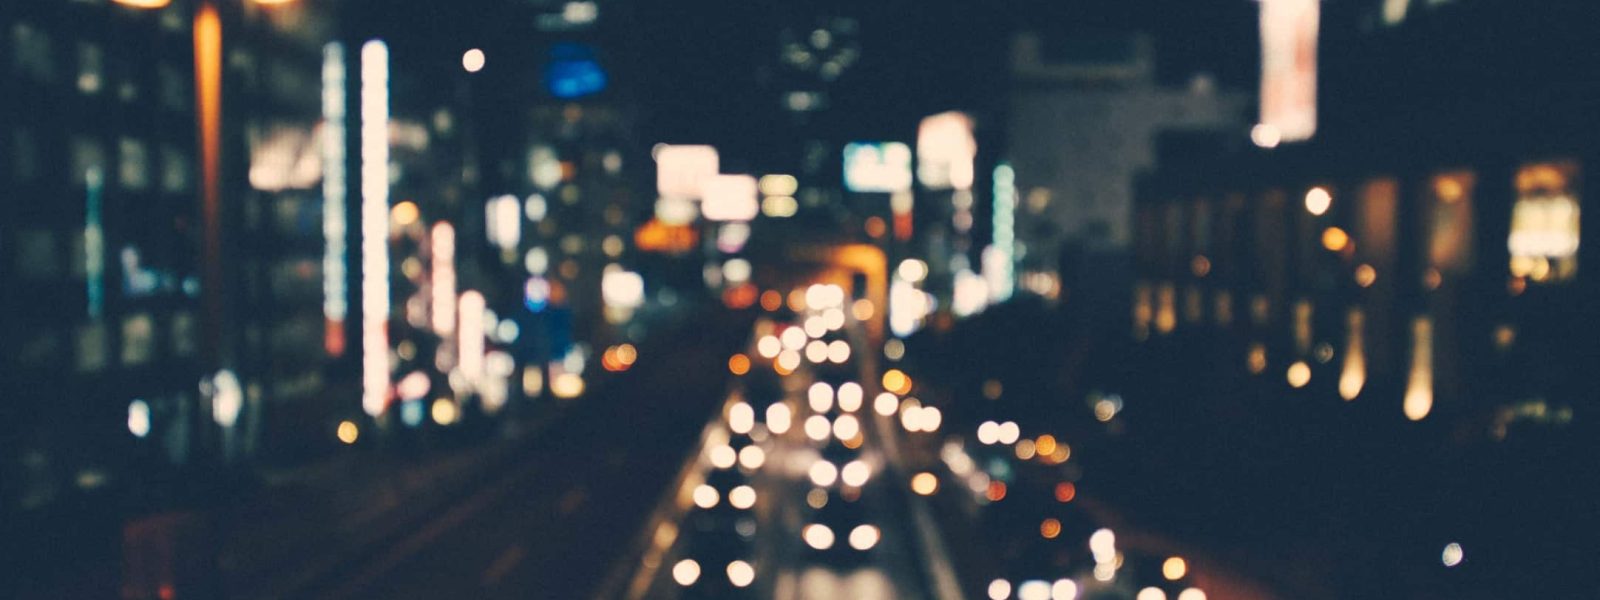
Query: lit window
1394, 11
1544, 223
133, 170
91, 68
92, 354
184, 334
138, 339
174, 170
174, 90
1449, 236
87, 155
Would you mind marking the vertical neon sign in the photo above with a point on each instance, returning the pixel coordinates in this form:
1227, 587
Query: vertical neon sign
375, 227
335, 301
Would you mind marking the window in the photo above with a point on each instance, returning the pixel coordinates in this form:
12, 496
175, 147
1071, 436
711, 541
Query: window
127, 79
174, 91
1544, 223
134, 169
1449, 234
92, 355
31, 50
88, 156
174, 169
138, 339
37, 254
91, 68
183, 334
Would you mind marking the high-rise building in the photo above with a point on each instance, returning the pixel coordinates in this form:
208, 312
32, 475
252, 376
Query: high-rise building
1083, 119
122, 357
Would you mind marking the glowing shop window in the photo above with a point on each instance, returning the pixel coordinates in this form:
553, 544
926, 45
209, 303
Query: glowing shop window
1544, 223
1449, 236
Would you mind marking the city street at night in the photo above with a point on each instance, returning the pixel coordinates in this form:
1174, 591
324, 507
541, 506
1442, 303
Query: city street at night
798, 300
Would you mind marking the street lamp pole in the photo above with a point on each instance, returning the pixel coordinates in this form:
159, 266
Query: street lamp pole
208, 126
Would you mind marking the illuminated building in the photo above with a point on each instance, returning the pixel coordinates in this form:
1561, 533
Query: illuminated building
1085, 113
579, 177
113, 373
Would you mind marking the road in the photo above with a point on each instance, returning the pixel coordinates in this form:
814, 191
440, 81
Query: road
548, 526
827, 461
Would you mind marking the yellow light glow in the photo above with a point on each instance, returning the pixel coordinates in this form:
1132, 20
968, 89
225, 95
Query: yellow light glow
706, 496
850, 396
1045, 445
1335, 239
740, 573
1299, 374
1354, 375
864, 537
1302, 325
779, 185
444, 411
472, 60
1025, 450
885, 404
742, 497
1419, 385
567, 386
348, 432
739, 364
1166, 308
686, 572
1256, 358
817, 536
144, 3
722, 456
532, 381
778, 418
894, 380
817, 498
741, 417
1050, 528
1366, 275
992, 388
1174, 568
1318, 200
924, 483
862, 309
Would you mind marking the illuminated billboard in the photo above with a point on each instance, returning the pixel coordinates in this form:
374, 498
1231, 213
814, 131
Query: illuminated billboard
1289, 69
877, 167
730, 198
681, 171
1544, 222
946, 150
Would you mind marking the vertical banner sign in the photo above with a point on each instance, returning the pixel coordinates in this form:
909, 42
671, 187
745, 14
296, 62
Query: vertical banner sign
374, 227
1289, 67
335, 302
